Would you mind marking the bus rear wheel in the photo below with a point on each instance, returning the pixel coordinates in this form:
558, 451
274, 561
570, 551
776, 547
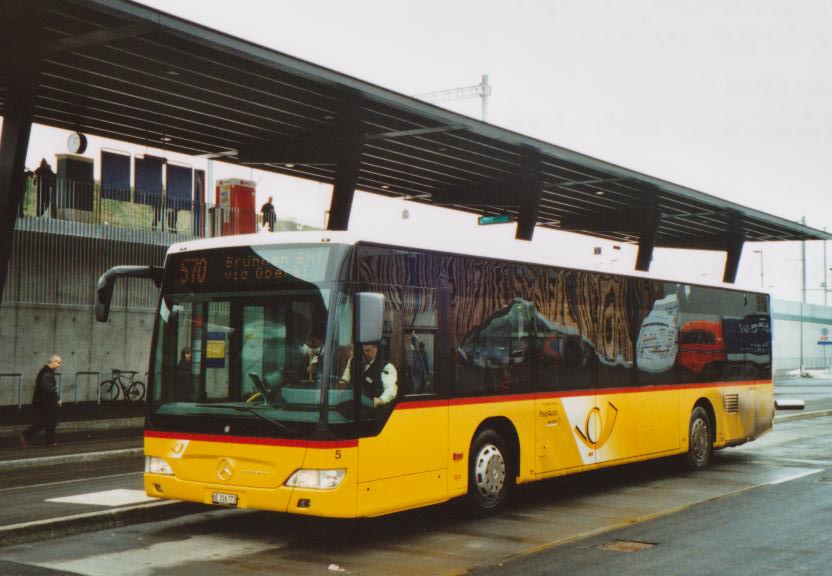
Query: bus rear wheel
490, 477
700, 439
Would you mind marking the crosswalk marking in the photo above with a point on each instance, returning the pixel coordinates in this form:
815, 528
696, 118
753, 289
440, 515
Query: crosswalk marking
112, 498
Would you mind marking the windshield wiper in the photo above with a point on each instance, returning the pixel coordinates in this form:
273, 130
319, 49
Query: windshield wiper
252, 410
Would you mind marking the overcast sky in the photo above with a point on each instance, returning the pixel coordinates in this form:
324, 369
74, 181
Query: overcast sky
727, 97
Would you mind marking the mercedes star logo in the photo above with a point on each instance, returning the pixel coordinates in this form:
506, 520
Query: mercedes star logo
225, 470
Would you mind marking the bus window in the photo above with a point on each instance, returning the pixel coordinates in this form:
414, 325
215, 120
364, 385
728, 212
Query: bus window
493, 357
341, 397
218, 351
418, 333
417, 375
564, 356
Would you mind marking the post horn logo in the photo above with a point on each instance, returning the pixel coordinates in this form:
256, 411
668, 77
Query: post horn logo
225, 470
606, 423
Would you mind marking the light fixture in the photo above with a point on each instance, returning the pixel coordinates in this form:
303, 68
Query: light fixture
385, 187
599, 193
290, 165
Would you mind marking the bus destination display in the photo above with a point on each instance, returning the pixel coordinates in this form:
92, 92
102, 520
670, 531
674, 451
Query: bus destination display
245, 268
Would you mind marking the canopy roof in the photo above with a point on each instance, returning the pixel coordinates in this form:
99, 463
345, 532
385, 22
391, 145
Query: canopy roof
124, 71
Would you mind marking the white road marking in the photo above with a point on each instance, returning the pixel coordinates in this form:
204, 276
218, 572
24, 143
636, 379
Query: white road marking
117, 497
795, 476
140, 561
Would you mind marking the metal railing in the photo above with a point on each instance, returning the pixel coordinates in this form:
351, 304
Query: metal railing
19, 378
67, 236
782, 365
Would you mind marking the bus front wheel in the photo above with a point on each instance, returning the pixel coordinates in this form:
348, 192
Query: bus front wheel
700, 439
490, 478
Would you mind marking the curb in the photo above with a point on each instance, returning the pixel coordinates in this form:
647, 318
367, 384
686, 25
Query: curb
25, 463
86, 425
803, 415
92, 521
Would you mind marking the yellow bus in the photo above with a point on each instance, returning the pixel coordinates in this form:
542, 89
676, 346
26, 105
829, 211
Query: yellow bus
331, 374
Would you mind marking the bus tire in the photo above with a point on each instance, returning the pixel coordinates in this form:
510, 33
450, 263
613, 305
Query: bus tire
490, 477
700, 439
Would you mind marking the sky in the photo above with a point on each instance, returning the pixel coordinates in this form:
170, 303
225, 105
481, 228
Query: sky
728, 97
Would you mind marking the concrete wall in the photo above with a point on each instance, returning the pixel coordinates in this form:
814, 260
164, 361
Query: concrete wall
29, 334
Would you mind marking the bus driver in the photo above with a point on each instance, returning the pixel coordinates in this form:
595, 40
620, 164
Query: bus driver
379, 382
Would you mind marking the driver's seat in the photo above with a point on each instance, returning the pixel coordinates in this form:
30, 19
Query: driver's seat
259, 386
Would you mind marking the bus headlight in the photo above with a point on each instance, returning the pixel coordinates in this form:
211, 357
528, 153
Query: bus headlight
154, 465
316, 479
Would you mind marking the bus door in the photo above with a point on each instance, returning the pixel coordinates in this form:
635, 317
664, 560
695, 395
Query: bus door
403, 449
565, 400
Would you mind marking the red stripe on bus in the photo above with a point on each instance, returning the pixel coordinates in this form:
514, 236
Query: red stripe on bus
253, 440
411, 404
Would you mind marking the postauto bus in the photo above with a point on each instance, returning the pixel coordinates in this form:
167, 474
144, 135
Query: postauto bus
499, 372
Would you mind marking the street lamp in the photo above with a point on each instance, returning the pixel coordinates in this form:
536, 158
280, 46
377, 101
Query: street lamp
762, 275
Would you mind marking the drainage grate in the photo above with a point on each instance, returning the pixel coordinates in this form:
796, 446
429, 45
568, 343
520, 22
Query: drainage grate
625, 546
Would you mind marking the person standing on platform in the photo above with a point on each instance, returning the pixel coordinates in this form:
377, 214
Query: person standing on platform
268, 215
45, 180
45, 402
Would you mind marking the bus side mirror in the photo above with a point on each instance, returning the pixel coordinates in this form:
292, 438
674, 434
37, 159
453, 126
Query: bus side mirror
104, 288
369, 312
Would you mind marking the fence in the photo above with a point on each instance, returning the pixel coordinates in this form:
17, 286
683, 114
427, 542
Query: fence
67, 237
782, 365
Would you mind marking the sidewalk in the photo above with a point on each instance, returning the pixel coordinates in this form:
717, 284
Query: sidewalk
83, 428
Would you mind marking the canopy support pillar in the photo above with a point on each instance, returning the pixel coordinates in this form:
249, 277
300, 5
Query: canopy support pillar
350, 136
734, 241
530, 187
647, 216
24, 73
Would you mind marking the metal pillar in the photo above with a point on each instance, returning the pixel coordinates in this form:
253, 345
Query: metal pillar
530, 188
350, 137
734, 242
24, 72
648, 223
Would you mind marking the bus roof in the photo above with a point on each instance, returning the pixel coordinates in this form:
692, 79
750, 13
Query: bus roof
512, 251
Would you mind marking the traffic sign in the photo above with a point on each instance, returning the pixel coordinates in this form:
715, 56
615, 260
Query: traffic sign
501, 219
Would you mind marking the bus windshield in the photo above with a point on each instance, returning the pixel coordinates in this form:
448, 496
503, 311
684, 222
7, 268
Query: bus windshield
239, 340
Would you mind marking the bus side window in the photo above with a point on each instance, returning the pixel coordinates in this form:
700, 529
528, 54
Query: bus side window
494, 356
419, 346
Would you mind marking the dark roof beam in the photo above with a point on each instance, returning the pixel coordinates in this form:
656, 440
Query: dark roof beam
349, 139
158, 93
413, 132
529, 187
89, 117
97, 37
194, 82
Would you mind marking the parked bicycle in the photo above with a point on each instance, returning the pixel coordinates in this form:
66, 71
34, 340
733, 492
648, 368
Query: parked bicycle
123, 382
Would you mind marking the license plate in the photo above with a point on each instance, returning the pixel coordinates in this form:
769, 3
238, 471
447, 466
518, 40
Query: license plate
224, 499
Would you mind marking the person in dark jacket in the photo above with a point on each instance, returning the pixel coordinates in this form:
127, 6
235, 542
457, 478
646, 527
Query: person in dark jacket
268, 214
185, 390
45, 180
45, 402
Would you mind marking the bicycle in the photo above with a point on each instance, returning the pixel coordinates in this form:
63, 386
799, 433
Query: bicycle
123, 383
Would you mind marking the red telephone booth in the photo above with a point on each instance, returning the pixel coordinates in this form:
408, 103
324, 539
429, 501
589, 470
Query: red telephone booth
236, 204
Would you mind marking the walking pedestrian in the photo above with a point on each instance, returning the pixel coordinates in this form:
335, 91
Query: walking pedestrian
45, 180
45, 402
268, 214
